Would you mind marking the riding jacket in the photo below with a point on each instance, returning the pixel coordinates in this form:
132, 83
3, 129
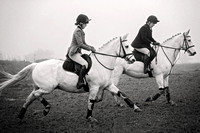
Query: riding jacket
78, 42
144, 38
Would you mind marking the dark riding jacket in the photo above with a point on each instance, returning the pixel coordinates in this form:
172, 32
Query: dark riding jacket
78, 42
143, 38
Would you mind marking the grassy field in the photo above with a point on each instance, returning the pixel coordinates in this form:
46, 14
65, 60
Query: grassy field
69, 110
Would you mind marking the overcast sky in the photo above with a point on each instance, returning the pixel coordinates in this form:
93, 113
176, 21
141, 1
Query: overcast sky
29, 25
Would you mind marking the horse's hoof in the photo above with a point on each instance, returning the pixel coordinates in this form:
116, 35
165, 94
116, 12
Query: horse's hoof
92, 119
149, 99
172, 103
120, 105
22, 113
137, 110
46, 110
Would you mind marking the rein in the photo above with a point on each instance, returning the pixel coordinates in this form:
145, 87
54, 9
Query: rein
121, 47
186, 49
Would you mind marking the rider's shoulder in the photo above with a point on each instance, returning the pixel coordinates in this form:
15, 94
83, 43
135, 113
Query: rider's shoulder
144, 28
78, 31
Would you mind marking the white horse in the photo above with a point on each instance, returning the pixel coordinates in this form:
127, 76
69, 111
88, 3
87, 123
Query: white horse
49, 75
167, 56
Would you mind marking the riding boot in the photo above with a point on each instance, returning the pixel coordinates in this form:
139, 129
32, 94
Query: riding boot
146, 63
82, 73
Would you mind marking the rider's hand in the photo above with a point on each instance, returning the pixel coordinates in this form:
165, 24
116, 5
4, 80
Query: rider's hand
93, 49
156, 43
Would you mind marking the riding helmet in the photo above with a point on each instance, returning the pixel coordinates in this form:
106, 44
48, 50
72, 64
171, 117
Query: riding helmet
82, 19
153, 19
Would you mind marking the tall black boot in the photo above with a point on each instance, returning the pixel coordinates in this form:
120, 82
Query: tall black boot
146, 63
82, 73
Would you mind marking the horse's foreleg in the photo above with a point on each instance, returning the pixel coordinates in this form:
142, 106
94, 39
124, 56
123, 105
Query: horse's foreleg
168, 97
29, 100
113, 89
160, 82
91, 100
156, 96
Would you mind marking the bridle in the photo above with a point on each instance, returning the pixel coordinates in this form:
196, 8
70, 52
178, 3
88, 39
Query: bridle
121, 49
187, 47
182, 48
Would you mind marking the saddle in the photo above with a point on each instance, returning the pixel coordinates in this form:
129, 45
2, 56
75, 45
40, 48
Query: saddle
141, 57
71, 66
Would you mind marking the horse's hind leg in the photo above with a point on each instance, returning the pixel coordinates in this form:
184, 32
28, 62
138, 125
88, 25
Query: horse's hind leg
46, 105
34, 95
29, 100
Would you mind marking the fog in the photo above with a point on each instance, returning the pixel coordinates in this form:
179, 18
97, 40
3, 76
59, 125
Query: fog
28, 26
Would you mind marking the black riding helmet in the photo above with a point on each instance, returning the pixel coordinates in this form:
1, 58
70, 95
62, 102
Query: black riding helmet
152, 19
82, 19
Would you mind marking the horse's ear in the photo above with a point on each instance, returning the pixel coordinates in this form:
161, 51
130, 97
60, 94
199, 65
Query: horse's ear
125, 36
186, 33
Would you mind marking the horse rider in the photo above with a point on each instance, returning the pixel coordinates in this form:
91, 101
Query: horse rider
78, 43
143, 40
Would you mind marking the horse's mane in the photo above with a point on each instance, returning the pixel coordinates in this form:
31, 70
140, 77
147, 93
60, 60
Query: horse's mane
171, 37
108, 42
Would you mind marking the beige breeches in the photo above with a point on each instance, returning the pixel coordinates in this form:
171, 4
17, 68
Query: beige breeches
144, 51
77, 58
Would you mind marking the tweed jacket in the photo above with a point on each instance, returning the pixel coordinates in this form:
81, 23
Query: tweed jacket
78, 42
143, 38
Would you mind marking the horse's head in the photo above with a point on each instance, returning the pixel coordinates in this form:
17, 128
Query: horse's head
187, 45
126, 50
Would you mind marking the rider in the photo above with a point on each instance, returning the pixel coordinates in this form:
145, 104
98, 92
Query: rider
78, 43
143, 40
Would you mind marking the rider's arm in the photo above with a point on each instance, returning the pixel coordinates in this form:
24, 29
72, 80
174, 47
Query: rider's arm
144, 35
81, 42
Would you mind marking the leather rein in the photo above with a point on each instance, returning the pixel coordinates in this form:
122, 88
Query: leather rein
121, 49
187, 47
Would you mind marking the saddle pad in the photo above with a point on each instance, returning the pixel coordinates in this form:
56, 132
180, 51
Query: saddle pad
71, 66
138, 55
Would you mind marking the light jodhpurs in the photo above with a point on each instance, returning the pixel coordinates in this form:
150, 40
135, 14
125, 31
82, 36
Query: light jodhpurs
77, 58
144, 51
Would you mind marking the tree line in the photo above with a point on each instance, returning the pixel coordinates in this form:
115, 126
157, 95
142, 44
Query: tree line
35, 56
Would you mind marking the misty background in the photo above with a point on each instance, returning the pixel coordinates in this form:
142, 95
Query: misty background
40, 29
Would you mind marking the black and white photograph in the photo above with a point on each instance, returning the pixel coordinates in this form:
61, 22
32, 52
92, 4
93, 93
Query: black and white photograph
99, 66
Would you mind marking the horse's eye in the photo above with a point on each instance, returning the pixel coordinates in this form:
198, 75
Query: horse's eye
189, 40
126, 46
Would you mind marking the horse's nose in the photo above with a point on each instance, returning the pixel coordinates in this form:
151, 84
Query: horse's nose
194, 53
133, 60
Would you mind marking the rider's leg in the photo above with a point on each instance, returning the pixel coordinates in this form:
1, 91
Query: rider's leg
146, 53
77, 58
152, 54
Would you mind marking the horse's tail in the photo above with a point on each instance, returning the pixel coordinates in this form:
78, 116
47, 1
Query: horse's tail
13, 79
